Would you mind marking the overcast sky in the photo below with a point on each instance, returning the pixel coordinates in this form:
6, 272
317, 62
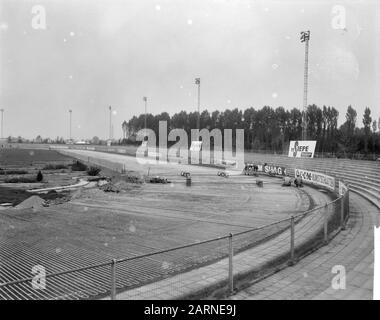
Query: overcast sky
93, 54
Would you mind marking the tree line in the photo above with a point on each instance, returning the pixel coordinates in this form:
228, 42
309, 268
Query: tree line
269, 129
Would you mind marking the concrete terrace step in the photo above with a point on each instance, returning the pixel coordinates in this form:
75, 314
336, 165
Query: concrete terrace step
351, 176
367, 186
373, 189
375, 199
345, 167
323, 165
311, 277
362, 180
348, 176
343, 170
332, 160
350, 171
326, 163
351, 179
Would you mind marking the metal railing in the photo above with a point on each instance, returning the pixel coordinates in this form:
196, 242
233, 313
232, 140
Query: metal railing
281, 242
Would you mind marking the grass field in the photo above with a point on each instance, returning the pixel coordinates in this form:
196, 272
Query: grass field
29, 157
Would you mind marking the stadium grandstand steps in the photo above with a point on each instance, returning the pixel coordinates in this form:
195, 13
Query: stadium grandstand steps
362, 192
353, 178
362, 176
370, 187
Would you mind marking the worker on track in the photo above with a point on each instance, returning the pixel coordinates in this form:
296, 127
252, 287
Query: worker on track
287, 181
298, 182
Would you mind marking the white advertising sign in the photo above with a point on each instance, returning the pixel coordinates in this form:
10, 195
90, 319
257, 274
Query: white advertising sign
302, 149
316, 178
342, 188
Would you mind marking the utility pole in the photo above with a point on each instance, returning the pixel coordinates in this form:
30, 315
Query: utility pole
305, 37
70, 112
2, 122
145, 99
198, 82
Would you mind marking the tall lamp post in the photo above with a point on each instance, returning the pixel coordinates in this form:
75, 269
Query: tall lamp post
110, 108
70, 113
305, 37
198, 82
145, 99
2, 122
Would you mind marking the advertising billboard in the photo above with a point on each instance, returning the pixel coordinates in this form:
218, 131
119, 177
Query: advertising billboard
302, 148
276, 170
316, 178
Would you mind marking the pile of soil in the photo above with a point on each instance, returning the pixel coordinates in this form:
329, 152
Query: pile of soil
125, 186
32, 202
132, 178
76, 194
54, 198
109, 187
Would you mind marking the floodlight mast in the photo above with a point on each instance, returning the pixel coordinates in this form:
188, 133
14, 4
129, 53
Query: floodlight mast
145, 99
110, 124
2, 122
70, 113
305, 37
198, 83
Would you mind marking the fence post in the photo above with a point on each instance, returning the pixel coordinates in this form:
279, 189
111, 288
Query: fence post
230, 268
325, 225
292, 234
347, 200
342, 225
113, 279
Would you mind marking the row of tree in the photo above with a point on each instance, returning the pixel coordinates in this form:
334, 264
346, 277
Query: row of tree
271, 129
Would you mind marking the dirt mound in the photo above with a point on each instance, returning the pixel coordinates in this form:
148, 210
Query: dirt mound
32, 202
126, 186
76, 194
132, 178
109, 187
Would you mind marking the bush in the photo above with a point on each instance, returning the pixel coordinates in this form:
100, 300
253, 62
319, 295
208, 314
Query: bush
40, 177
93, 171
78, 166
21, 180
54, 167
4, 172
133, 179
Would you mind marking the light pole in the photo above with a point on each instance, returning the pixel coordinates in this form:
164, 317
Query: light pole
198, 82
2, 122
305, 37
110, 108
145, 99
70, 113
